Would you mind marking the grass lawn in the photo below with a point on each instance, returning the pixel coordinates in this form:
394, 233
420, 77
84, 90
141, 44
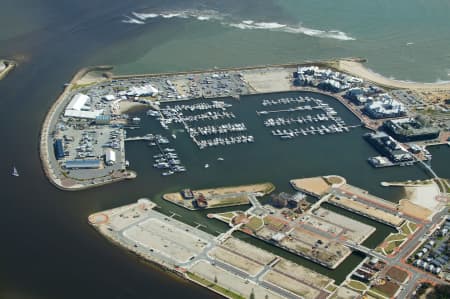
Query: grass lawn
408, 228
277, 224
395, 237
331, 287
412, 226
357, 285
214, 286
229, 201
227, 215
255, 223
377, 294
392, 245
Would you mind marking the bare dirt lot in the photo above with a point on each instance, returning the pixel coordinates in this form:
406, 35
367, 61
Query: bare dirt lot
291, 284
229, 281
368, 210
166, 238
303, 274
317, 185
237, 260
269, 81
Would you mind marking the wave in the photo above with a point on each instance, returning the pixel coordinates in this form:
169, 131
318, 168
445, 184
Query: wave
227, 20
130, 20
335, 34
145, 16
204, 15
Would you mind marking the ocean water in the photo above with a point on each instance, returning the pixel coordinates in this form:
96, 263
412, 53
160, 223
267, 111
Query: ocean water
49, 251
407, 40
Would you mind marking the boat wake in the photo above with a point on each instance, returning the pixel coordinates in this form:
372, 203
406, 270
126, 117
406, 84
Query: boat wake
228, 20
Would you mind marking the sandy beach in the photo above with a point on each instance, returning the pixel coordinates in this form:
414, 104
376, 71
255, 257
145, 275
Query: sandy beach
359, 70
421, 200
128, 106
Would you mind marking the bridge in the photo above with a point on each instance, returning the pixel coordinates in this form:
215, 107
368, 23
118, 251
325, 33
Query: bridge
222, 237
364, 250
431, 171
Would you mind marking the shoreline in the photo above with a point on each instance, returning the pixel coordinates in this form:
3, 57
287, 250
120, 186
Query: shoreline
360, 70
117, 225
352, 66
44, 134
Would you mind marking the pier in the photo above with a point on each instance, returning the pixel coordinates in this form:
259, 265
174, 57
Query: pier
332, 122
225, 134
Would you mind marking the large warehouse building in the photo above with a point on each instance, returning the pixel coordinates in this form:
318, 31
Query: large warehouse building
110, 156
79, 108
83, 164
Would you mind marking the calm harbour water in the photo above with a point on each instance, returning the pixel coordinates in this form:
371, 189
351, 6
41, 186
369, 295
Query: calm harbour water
49, 251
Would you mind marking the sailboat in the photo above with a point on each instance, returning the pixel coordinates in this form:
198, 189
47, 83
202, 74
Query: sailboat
15, 172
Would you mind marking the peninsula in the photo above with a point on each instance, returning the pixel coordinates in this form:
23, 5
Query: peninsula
83, 145
83, 136
234, 268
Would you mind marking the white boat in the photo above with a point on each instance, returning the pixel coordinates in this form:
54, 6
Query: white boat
206, 165
174, 136
15, 172
220, 159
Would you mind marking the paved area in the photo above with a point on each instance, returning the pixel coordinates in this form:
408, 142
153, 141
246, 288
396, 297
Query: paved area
230, 263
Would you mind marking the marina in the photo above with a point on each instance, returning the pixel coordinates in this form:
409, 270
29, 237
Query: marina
294, 122
194, 124
213, 134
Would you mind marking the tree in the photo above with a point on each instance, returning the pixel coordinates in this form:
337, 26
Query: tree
252, 294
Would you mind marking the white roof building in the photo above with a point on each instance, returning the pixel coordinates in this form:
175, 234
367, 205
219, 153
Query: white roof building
83, 114
110, 156
109, 97
77, 108
145, 90
278, 237
386, 105
78, 102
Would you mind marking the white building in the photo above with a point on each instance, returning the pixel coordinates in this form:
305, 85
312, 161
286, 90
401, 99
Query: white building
79, 108
110, 157
78, 102
385, 106
83, 114
109, 97
145, 90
